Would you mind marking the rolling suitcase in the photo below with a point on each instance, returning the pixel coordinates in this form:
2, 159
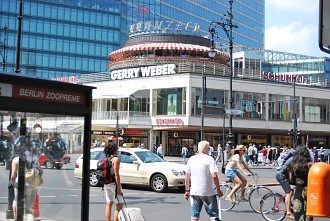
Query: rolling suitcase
130, 214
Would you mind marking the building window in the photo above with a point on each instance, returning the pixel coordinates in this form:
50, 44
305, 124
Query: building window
315, 110
281, 108
247, 102
214, 98
169, 101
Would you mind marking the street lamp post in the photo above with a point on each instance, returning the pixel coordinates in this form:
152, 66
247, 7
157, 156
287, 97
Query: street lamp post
295, 124
227, 26
203, 102
3, 50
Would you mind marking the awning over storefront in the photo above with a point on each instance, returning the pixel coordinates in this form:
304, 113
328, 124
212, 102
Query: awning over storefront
161, 46
105, 91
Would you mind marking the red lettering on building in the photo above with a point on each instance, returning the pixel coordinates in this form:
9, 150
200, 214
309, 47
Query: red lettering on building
173, 121
289, 78
133, 131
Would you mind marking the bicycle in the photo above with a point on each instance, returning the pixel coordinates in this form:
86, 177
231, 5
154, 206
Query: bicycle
254, 192
272, 206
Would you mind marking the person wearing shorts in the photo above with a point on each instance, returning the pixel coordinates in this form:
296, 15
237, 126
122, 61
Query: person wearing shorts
201, 174
236, 161
282, 175
113, 192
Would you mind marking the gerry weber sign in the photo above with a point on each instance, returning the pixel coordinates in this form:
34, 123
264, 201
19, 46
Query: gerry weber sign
148, 71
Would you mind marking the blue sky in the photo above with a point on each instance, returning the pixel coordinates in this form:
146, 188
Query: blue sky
292, 26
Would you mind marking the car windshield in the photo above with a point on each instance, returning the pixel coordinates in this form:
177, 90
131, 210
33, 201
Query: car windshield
96, 155
148, 157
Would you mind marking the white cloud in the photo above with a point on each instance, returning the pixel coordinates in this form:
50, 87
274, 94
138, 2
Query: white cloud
295, 37
292, 26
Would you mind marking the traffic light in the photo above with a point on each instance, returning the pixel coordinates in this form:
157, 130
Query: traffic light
290, 132
298, 132
120, 131
23, 128
259, 107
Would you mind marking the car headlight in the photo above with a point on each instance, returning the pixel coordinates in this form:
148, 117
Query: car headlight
178, 173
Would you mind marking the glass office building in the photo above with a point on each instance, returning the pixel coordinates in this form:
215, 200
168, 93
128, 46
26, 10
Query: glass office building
248, 15
63, 38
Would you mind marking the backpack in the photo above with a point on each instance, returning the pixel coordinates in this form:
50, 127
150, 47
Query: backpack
105, 172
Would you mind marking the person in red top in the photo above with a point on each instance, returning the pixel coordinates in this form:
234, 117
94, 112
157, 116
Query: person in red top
264, 155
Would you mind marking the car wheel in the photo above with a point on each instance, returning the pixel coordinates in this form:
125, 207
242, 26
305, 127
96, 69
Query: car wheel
93, 181
49, 164
158, 183
59, 166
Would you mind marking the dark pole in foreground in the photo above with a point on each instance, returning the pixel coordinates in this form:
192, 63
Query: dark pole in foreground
228, 28
203, 102
19, 34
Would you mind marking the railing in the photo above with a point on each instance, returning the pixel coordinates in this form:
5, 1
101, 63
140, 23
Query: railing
189, 65
122, 115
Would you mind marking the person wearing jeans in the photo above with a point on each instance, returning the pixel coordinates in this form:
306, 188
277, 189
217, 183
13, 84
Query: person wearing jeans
201, 175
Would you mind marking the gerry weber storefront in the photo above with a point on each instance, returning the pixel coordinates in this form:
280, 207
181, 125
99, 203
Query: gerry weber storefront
153, 95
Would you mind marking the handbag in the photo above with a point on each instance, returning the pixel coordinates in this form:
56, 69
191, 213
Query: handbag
32, 177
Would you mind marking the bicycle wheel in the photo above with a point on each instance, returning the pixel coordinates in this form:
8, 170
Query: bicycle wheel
225, 204
272, 207
256, 195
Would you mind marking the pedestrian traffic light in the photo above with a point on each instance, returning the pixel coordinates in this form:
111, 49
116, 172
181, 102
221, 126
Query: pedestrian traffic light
290, 132
298, 132
259, 107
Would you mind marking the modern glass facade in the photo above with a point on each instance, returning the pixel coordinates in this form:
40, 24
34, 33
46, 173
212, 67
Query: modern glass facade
248, 15
63, 38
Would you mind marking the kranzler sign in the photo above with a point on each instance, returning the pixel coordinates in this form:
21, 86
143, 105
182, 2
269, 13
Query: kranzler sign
147, 71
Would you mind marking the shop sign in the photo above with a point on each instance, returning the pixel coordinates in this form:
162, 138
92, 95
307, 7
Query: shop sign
166, 26
134, 132
148, 71
169, 121
248, 105
108, 132
182, 135
34, 93
70, 79
286, 77
97, 132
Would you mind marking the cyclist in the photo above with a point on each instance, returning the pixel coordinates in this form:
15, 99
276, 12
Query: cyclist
282, 176
232, 173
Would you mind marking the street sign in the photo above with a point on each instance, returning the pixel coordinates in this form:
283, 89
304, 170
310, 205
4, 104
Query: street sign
211, 110
234, 112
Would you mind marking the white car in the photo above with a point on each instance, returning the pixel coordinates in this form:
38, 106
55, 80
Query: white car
139, 166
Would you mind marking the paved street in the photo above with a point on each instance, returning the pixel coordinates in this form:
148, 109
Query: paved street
60, 198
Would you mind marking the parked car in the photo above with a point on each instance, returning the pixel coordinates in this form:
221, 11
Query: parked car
49, 164
138, 166
326, 157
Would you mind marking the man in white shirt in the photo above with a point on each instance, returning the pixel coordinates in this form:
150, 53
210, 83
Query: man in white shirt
160, 150
184, 153
202, 174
